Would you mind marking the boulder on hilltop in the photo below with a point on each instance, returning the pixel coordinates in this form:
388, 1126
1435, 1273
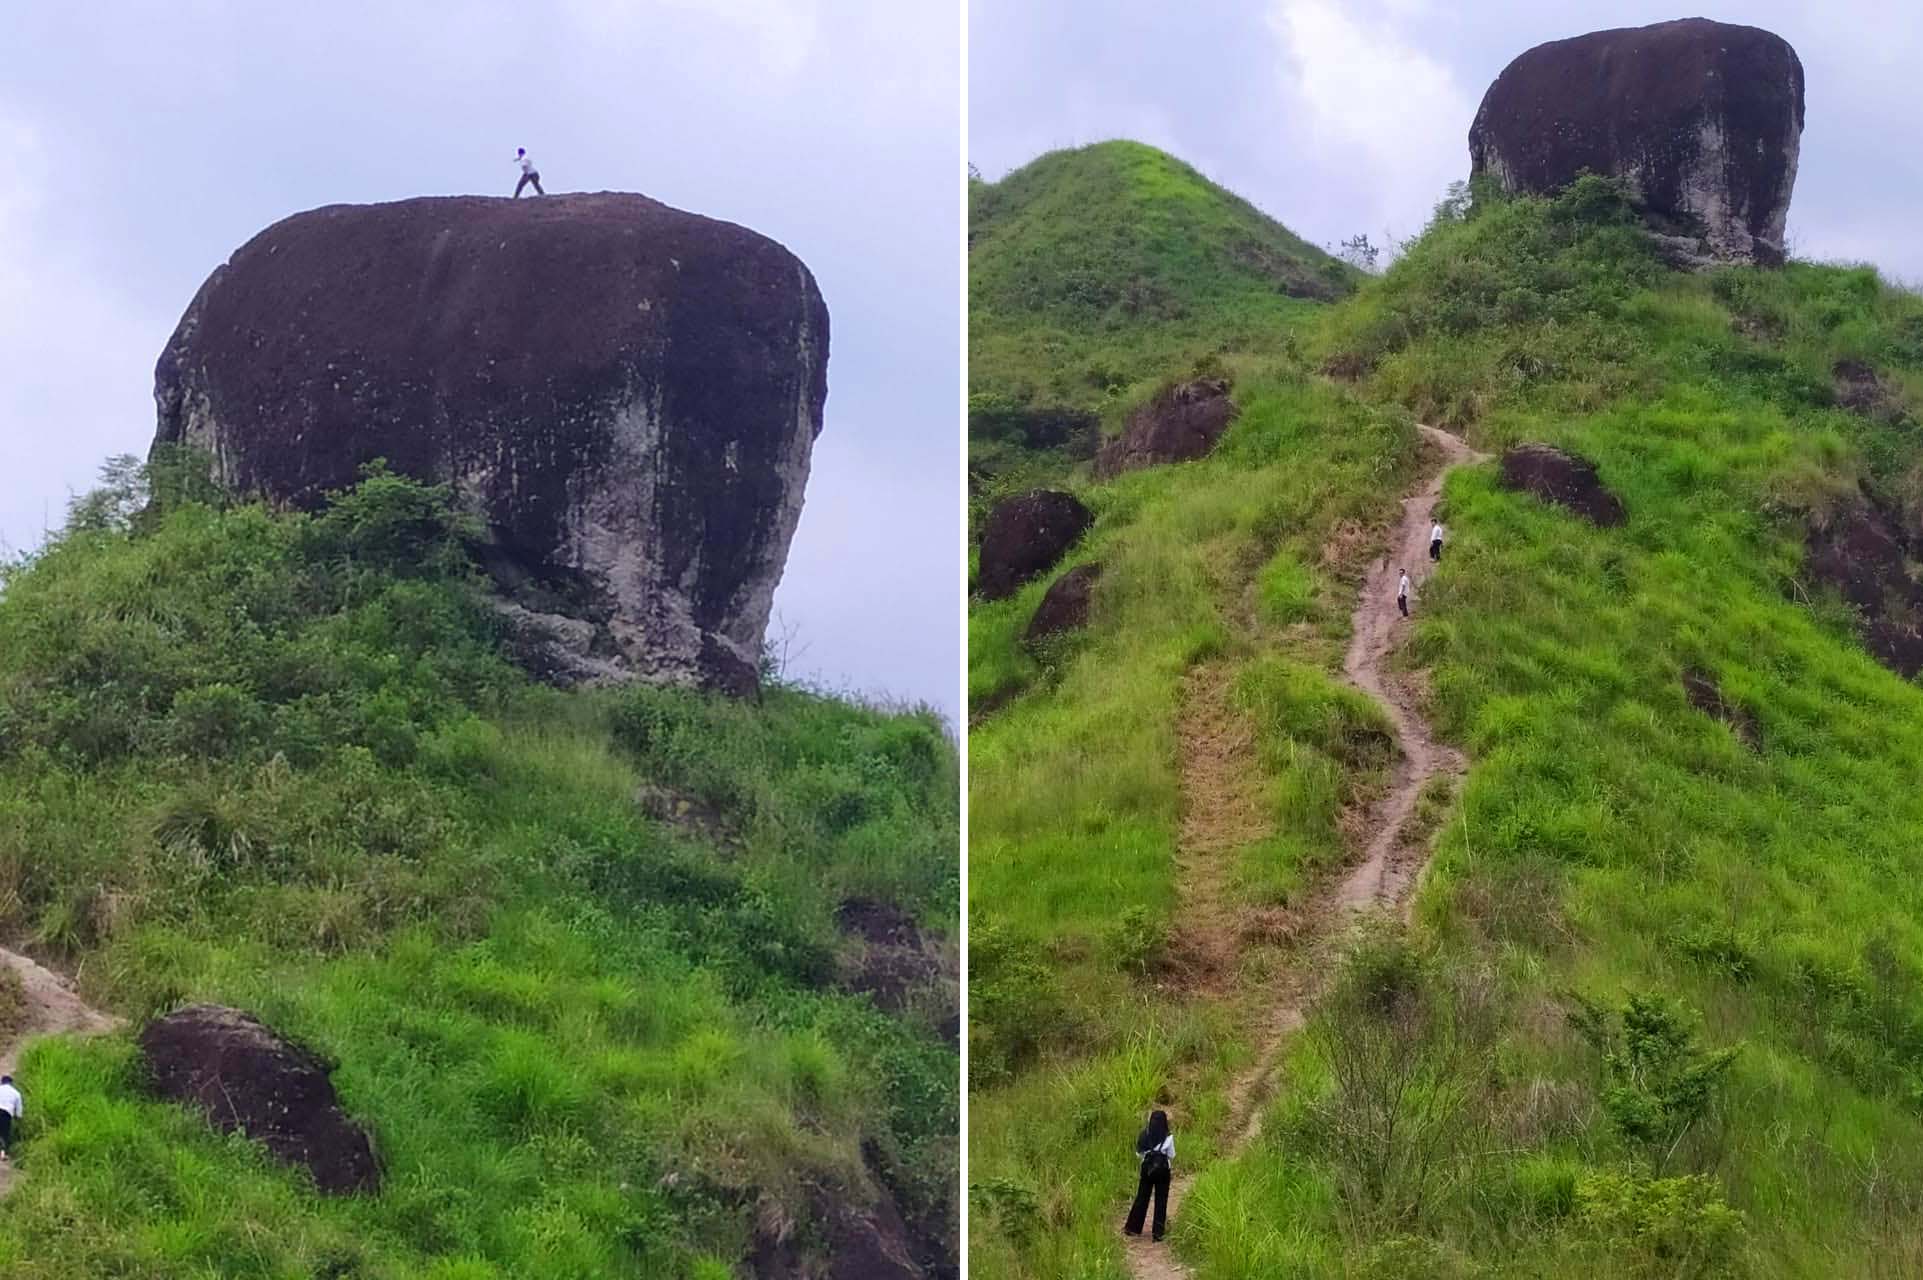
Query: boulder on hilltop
1702, 120
624, 394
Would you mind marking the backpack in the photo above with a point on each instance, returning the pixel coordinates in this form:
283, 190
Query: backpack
1154, 1161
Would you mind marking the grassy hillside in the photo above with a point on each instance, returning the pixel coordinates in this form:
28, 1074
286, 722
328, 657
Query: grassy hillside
1661, 1009
1094, 271
275, 761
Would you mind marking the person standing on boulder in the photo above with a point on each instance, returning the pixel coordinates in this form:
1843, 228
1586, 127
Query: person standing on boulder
1155, 1148
528, 173
1435, 541
1402, 593
9, 1113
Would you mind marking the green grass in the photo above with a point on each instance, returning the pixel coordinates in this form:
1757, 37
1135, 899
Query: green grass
274, 761
1095, 273
1610, 840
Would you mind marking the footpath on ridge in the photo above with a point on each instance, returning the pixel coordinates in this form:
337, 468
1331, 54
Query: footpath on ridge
1393, 860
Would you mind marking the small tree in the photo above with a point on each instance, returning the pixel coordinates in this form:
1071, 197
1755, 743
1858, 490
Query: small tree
1660, 1081
1358, 252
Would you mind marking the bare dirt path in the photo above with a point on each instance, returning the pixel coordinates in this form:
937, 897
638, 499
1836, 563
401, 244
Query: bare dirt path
1391, 865
52, 1008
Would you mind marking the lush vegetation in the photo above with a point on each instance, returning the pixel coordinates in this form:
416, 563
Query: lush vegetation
276, 761
1661, 1011
1093, 272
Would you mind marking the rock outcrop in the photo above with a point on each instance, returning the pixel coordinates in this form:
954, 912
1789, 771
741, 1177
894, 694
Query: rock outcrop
1183, 421
1860, 549
244, 1077
625, 394
1064, 606
1025, 536
1557, 476
1703, 120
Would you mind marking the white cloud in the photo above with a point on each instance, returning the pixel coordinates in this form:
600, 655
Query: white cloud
1383, 111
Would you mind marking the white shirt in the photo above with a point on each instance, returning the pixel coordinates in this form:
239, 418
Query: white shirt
1435, 534
526, 162
1167, 1148
1402, 588
10, 1100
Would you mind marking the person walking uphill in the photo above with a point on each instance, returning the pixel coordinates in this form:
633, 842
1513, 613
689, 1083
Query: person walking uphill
9, 1114
1155, 1148
1435, 541
528, 173
1402, 593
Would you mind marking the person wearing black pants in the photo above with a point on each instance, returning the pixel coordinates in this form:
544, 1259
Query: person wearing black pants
1155, 1148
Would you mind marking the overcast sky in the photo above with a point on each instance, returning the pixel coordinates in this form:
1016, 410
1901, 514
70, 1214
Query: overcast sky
1339, 116
144, 142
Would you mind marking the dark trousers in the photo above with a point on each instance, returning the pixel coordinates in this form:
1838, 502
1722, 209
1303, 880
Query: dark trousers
1435, 549
6, 1129
1156, 1182
526, 178
1402, 603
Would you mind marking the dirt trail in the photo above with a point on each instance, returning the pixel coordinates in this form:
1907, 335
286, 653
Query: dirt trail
52, 1008
1391, 867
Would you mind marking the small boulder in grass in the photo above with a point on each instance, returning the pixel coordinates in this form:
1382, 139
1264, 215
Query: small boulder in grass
1558, 476
244, 1077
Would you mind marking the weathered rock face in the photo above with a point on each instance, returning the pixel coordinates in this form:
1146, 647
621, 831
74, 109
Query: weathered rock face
1562, 478
1065, 605
626, 394
1703, 120
244, 1077
1182, 422
1025, 535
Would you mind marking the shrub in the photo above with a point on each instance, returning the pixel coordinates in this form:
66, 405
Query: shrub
1673, 1228
1658, 1080
1138, 941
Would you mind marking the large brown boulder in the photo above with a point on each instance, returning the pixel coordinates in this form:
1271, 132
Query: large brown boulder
1557, 476
242, 1076
1702, 119
1183, 421
627, 396
1025, 535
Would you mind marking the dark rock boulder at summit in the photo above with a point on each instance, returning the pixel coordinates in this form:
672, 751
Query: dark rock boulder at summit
625, 394
1702, 119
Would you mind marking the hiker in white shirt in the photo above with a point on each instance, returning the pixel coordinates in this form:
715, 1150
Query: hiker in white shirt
528, 173
1435, 541
10, 1109
1402, 593
1155, 1148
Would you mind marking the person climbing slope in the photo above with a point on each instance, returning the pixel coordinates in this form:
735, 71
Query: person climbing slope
1402, 591
528, 173
1435, 541
9, 1114
1155, 1148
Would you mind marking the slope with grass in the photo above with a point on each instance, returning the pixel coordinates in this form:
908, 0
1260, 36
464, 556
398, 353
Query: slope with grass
1094, 272
277, 761
1657, 1012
